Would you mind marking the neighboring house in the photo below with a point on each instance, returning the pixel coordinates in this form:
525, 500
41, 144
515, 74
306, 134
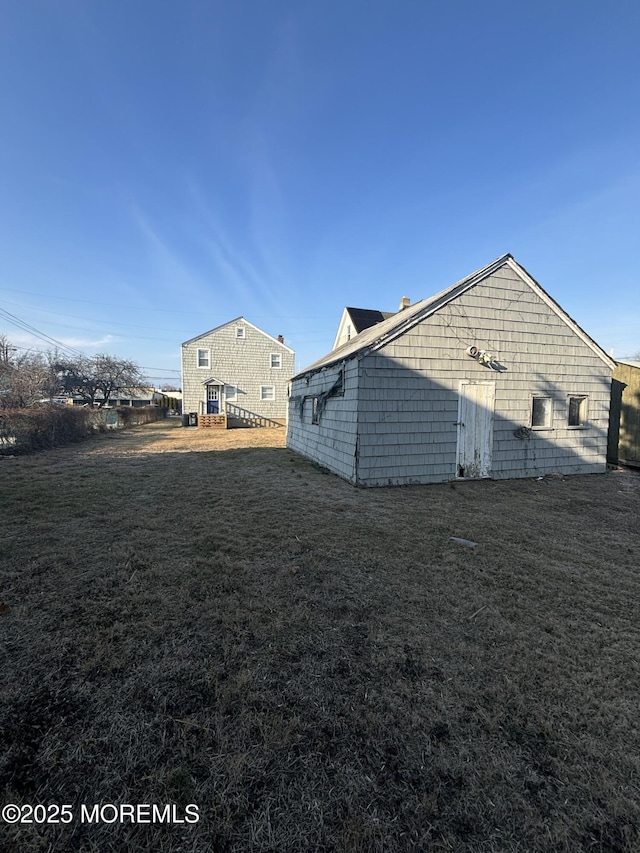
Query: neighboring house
624, 426
170, 399
489, 378
239, 371
356, 320
143, 397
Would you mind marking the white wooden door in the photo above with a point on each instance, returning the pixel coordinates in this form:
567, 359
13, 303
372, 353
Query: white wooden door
475, 429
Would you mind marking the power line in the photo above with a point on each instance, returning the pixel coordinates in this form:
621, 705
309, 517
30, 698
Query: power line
26, 327
90, 319
276, 318
21, 324
161, 369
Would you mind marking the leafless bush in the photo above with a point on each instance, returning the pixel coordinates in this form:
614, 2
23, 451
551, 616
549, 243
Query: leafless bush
25, 379
133, 415
26, 430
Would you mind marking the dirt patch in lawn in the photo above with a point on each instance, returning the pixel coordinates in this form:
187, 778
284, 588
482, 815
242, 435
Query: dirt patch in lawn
195, 617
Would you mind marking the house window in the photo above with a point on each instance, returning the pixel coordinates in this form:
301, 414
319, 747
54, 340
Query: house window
541, 412
577, 411
348, 333
315, 417
203, 358
276, 359
267, 392
240, 333
230, 393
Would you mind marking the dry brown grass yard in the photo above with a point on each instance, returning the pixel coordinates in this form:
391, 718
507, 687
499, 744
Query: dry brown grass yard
204, 617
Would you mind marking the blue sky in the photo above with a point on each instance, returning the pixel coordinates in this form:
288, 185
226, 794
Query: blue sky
168, 166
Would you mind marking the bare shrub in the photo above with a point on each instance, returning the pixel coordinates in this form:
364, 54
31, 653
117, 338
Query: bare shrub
26, 430
133, 415
125, 415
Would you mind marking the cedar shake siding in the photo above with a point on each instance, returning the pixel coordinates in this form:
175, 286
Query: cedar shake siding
417, 408
250, 368
332, 441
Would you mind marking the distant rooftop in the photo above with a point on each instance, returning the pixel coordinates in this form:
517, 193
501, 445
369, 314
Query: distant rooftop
364, 318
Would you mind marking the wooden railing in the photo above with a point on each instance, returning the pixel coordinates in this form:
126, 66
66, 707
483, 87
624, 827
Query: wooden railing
248, 418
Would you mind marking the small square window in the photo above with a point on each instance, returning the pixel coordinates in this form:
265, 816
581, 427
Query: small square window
203, 358
577, 411
541, 411
315, 415
276, 359
267, 392
240, 333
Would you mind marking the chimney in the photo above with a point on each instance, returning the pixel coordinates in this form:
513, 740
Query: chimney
404, 303
280, 339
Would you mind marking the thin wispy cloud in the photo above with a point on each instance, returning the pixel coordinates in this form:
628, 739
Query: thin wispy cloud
24, 340
168, 265
232, 263
187, 163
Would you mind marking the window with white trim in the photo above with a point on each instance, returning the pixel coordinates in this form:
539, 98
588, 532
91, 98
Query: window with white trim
230, 393
240, 333
276, 359
577, 410
267, 392
204, 358
541, 412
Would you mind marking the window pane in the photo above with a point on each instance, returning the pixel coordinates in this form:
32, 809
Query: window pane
275, 359
541, 412
577, 409
203, 358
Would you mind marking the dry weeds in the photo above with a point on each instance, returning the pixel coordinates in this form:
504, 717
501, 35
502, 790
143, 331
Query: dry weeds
204, 617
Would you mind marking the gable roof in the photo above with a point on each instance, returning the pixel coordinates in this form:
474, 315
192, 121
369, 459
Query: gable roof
397, 324
233, 323
364, 318
213, 381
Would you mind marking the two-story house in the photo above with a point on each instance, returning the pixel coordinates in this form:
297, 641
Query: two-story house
239, 371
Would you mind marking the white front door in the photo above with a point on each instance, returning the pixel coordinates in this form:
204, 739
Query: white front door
475, 429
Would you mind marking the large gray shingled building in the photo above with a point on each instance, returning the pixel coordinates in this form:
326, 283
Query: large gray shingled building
239, 371
489, 378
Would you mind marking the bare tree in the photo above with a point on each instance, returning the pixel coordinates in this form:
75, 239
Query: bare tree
25, 379
6, 349
95, 380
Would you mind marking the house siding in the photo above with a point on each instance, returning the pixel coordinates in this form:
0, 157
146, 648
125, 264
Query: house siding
624, 433
409, 389
332, 442
244, 363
